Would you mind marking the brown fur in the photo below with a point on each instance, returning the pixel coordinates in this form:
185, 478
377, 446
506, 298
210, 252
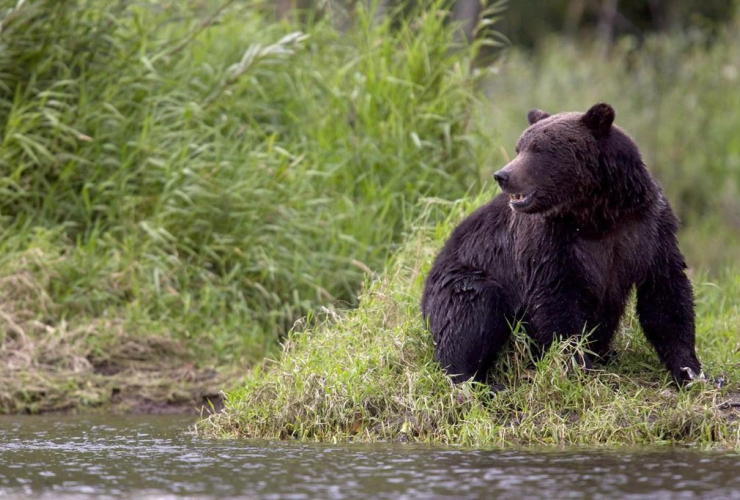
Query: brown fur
591, 225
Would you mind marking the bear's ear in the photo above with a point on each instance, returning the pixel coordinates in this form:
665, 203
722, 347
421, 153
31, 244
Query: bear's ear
599, 119
536, 115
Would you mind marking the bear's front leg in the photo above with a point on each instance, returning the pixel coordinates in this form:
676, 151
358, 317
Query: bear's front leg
468, 316
665, 306
557, 310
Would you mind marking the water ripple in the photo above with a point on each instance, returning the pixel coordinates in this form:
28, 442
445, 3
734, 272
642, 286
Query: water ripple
154, 457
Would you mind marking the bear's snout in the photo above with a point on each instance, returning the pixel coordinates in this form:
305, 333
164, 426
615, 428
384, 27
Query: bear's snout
516, 181
513, 178
502, 177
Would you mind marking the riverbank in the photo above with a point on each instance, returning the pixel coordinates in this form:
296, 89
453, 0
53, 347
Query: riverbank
368, 375
114, 362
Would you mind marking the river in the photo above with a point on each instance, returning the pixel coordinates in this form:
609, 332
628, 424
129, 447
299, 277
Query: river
157, 457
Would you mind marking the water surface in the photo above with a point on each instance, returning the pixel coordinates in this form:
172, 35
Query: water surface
155, 457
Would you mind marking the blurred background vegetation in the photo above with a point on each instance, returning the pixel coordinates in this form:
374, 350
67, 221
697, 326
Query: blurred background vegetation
529, 23
181, 181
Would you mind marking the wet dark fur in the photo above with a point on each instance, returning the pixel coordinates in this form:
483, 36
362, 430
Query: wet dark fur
598, 225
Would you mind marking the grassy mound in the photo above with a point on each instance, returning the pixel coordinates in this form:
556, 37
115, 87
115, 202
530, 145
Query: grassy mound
369, 375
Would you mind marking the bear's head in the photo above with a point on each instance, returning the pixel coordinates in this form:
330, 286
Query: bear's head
565, 161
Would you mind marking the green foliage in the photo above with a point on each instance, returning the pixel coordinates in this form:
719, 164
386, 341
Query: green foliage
217, 171
531, 23
370, 375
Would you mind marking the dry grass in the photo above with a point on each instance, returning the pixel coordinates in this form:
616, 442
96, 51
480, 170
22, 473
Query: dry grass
52, 363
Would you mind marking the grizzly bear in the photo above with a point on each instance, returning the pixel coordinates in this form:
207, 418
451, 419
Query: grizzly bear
579, 223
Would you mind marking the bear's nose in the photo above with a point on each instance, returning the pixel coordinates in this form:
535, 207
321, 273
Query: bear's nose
502, 178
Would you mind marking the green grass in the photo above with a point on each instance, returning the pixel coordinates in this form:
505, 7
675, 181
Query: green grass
264, 165
369, 375
202, 177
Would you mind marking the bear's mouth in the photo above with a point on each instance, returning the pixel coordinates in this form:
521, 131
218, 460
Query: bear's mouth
519, 200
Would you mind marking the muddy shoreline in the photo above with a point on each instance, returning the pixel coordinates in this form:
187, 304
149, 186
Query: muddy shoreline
141, 390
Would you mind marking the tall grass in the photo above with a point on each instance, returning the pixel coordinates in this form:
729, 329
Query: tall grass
218, 173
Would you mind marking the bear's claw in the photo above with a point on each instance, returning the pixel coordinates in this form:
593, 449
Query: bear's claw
692, 376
